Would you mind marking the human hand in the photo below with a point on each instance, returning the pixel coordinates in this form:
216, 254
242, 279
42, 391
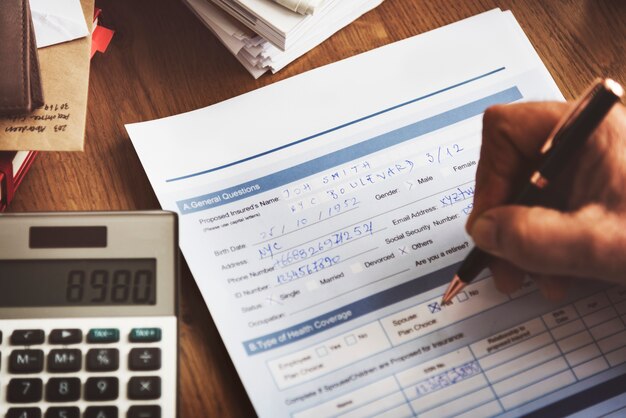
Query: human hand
585, 240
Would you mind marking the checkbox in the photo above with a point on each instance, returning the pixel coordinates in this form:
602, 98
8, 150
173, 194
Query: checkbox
434, 307
356, 268
446, 172
350, 340
462, 297
312, 284
321, 351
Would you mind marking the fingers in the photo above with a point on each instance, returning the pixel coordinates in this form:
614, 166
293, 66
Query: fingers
552, 287
509, 278
512, 138
506, 276
588, 243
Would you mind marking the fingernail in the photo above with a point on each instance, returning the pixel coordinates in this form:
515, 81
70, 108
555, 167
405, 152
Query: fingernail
484, 233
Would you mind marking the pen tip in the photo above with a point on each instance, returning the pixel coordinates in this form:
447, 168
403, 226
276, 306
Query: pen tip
456, 285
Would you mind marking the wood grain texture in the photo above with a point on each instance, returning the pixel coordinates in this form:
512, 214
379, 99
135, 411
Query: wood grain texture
162, 61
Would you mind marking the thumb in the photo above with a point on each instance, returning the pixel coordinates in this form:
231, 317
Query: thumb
586, 243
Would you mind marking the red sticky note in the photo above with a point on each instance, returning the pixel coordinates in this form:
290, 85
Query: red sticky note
100, 39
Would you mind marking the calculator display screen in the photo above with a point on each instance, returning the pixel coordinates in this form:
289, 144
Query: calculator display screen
82, 282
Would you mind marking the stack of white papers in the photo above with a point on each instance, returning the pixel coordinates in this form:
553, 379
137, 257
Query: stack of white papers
271, 43
280, 25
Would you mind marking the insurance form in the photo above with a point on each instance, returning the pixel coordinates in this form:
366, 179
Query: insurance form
323, 216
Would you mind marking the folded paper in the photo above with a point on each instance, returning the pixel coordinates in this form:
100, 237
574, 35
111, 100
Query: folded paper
57, 21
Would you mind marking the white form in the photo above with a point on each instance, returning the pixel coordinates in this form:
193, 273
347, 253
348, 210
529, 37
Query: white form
323, 216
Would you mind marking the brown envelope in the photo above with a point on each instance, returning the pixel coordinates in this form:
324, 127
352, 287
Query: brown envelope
60, 124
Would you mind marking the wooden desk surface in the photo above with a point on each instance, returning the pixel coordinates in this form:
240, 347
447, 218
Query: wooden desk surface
162, 61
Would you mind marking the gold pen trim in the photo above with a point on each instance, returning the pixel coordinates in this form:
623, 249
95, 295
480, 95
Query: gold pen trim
456, 285
539, 180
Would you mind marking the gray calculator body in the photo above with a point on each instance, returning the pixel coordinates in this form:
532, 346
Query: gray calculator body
88, 315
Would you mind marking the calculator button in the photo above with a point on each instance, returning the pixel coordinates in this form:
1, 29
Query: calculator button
144, 411
142, 388
26, 361
27, 337
145, 335
144, 359
63, 412
103, 335
24, 413
101, 412
65, 336
101, 388
103, 359
24, 390
63, 389
64, 361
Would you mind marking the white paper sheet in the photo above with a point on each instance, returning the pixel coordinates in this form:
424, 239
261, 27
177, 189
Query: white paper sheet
57, 21
322, 218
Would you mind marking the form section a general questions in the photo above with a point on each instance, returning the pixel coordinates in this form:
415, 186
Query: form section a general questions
322, 217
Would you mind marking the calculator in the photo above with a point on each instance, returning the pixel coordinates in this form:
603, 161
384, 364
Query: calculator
88, 315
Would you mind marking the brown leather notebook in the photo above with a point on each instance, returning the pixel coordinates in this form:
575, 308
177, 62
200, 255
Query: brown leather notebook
20, 83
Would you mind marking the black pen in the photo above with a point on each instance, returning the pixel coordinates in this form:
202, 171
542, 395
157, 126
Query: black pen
562, 144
